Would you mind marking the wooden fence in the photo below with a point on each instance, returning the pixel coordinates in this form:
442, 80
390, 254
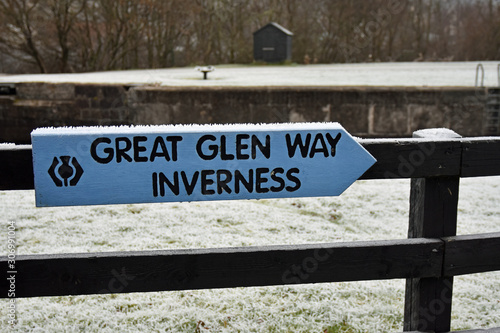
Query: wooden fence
429, 259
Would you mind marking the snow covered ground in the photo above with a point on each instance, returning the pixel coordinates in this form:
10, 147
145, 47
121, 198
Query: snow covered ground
366, 74
369, 210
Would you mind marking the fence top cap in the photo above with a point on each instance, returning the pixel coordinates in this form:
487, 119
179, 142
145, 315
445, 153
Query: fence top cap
436, 133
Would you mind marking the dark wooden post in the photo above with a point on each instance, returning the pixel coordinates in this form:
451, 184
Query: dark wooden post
433, 214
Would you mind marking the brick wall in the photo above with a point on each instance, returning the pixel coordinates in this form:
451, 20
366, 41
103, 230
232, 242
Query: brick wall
363, 111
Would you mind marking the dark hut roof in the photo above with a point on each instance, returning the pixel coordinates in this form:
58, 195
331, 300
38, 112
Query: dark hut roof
276, 25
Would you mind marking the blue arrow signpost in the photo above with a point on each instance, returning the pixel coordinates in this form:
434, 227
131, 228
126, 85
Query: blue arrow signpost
119, 165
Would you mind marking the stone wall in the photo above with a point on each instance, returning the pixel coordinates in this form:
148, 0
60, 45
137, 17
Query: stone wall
363, 111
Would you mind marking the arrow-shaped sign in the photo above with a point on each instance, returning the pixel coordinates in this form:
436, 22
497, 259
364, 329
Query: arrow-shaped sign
117, 165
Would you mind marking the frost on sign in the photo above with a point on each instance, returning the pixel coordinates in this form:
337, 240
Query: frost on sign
117, 165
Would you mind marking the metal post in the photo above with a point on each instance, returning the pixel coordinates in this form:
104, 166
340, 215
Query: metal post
498, 74
479, 68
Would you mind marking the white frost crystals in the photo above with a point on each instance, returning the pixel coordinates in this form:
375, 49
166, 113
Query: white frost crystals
407, 74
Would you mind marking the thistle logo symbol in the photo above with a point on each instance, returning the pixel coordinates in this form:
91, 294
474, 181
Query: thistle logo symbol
64, 173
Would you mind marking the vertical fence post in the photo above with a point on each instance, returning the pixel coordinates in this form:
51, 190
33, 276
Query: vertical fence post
433, 214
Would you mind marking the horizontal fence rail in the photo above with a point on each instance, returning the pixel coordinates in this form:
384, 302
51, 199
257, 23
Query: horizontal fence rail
115, 272
428, 259
396, 158
91, 273
163, 270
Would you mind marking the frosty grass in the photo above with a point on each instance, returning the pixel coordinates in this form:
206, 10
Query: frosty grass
369, 210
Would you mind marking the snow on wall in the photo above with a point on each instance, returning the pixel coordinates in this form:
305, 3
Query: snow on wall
421, 74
